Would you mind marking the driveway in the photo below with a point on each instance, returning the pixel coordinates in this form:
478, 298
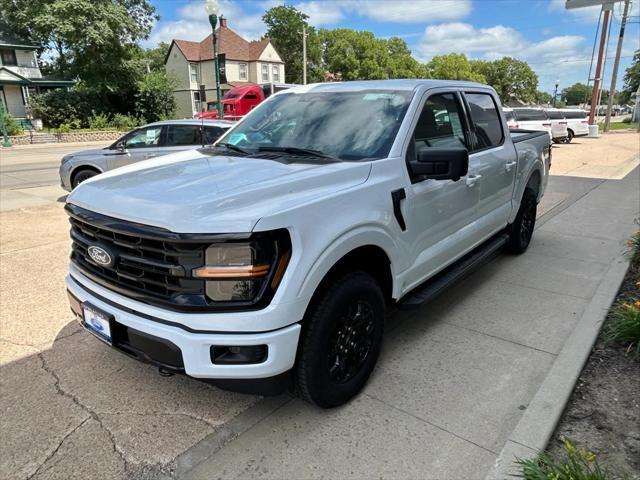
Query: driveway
454, 378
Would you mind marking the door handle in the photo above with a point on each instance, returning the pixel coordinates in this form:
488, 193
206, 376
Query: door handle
472, 179
510, 165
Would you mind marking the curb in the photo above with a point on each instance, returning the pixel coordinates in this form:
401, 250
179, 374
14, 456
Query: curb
535, 428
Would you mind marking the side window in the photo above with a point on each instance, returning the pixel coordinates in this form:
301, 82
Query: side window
211, 134
144, 138
439, 125
179, 135
486, 120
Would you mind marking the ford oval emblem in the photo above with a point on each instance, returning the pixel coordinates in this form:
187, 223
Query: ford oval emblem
101, 256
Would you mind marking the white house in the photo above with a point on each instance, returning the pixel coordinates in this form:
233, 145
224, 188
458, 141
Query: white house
20, 75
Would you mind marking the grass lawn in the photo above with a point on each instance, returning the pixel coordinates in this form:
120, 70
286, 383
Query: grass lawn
620, 126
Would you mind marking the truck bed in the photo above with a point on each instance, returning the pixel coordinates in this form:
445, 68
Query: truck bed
520, 135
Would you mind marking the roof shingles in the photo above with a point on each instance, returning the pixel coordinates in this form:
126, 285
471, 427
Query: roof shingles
229, 42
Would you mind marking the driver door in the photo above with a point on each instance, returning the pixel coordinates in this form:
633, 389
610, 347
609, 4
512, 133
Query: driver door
140, 144
440, 213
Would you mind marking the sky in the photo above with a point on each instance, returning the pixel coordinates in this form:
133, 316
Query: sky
557, 43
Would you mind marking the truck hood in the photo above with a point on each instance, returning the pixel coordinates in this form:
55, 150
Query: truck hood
192, 192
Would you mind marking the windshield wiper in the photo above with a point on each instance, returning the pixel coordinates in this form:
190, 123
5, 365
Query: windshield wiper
231, 146
307, 152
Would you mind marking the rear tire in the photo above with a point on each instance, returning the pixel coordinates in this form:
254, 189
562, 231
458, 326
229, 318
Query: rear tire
82, 175
569, 137
340, 341
521, 230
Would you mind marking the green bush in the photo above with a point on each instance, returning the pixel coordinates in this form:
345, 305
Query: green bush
13, 127
124, 123
57, 107
73, 124
154, 99
576, 464
626, 120
624, 326
99, 121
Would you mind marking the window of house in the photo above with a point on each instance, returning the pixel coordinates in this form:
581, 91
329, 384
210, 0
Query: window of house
196, 101
242, 71
193, 69
486, 120
8, 56
275, 70
265, 72
439, 125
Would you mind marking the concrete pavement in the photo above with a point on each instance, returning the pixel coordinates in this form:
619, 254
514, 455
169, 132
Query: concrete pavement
29, 173
455, 378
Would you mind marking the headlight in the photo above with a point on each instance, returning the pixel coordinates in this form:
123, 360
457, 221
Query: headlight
246, 272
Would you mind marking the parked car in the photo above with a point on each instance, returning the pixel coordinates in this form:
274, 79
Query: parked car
577, 123
152, 140
239, 101
270, 257
559, 131
533, 119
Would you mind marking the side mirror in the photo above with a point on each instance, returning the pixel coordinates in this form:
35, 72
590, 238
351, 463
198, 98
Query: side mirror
120, 146
441, 163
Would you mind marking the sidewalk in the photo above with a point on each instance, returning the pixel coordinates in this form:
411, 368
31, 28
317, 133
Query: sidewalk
456, 377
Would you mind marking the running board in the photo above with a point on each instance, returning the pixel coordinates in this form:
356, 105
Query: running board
453, 273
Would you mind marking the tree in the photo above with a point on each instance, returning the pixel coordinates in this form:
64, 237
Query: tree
631, 79
544, 98
577, 94
154, 57
284, 29
402, 63
453, 66
154, 99
513, 79
94, 42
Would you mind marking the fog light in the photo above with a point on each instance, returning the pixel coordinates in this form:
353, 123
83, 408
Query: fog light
238, 354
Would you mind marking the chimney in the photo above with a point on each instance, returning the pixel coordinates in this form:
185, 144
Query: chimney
223, 22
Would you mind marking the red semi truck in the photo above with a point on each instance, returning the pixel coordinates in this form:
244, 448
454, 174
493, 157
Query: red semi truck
239, 101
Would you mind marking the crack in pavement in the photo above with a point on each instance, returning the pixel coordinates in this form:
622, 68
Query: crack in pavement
92, 414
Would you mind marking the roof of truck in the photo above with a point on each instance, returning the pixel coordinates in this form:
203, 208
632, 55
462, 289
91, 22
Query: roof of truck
406, 84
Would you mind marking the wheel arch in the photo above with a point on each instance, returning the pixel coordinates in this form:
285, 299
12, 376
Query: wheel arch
369, 258
79, 168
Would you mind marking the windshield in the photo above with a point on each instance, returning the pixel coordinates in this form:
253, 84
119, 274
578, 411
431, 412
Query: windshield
345, 125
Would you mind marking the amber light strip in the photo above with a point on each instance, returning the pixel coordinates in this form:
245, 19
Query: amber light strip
246, 271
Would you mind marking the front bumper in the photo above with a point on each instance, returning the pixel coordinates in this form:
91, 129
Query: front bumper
195, 346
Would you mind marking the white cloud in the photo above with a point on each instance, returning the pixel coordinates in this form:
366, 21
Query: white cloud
556, 57
322, 13
192, 23
411, 11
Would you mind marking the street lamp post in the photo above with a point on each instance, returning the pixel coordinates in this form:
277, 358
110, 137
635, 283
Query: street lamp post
5, 134
212, 8
555, 93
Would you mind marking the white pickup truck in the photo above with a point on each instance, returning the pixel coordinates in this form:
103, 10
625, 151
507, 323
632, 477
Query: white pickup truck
267, 260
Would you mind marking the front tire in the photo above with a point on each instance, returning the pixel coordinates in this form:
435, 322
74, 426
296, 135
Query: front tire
82, 175
341, 341
521, 230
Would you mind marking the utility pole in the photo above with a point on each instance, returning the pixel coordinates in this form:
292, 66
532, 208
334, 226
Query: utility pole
596, 80
616, 64
304, 54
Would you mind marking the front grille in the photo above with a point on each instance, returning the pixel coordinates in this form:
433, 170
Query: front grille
152, 265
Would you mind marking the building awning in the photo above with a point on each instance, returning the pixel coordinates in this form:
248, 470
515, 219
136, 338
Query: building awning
10, 77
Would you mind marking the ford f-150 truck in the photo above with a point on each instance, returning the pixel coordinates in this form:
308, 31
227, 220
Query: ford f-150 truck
268, 259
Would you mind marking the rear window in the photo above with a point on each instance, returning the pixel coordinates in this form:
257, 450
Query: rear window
526, 115
555, 115
486, 119
575, 114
